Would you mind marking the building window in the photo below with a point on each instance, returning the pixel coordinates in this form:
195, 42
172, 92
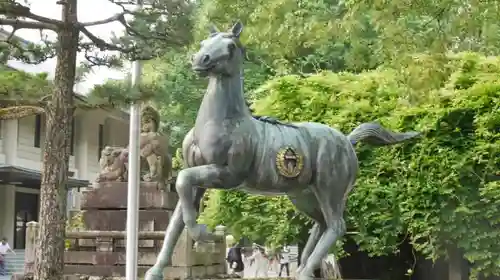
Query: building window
101, 141
38, 130
72, 143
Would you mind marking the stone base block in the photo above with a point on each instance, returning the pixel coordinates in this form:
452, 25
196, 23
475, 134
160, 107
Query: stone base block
116, 220
113, 195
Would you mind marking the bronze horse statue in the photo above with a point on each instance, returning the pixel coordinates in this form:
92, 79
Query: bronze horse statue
228, 149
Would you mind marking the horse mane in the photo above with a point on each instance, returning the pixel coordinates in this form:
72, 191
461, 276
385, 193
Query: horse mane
267, 119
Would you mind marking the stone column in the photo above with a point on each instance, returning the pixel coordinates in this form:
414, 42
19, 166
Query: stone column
220, 249
30, 251
220, 231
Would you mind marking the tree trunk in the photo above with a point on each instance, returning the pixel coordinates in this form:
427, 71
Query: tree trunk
49, 262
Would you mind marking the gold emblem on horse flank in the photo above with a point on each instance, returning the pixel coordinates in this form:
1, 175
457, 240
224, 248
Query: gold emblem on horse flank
289, 162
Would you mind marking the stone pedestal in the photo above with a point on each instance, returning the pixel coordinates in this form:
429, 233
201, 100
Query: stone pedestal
99, 248
104, 207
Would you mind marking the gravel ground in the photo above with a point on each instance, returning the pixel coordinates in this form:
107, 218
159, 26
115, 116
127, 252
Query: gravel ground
249, 271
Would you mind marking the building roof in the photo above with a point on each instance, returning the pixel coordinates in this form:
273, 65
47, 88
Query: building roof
16, 175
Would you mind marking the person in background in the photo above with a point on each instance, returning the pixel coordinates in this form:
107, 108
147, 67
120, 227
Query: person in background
235, 260
260, 261
4, 250
285, 261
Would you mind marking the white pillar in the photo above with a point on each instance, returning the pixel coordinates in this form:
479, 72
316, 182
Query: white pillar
133, 180
84, 128
10, 141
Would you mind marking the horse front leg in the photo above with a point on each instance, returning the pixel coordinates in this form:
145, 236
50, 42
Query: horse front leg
172, 234
205, 176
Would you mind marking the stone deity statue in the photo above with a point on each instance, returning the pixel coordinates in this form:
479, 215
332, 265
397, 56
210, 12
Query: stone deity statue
154, 148
156, 162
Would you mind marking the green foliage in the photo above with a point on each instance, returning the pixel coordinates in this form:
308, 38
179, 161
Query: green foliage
434, 190
19, 88
178, 92
75, 223
272, 221
19, 85
118, 94
408, 27
177, 161
292, 36
157, 28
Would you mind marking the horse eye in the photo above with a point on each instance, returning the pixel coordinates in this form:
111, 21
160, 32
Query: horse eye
232, 47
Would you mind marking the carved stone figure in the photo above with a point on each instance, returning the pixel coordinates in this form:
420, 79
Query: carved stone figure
155, 158
113, 165
313, 164
154, 148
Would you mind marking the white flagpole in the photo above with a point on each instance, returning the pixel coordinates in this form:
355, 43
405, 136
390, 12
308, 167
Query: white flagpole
133, 175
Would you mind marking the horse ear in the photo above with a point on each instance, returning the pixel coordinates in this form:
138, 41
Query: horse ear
237, 28
213, 29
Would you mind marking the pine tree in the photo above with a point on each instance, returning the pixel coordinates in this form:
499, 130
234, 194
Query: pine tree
155, 28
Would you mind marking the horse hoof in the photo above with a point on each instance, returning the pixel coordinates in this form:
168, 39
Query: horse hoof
299, 270
153, 274
302, 276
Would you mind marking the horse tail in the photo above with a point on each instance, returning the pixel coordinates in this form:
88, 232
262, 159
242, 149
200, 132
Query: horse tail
377, 135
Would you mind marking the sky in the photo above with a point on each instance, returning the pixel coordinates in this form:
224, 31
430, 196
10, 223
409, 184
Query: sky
88, 10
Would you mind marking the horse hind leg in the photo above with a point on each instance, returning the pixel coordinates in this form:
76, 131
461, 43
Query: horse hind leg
304, 205
335, 228
331, 206
316, 232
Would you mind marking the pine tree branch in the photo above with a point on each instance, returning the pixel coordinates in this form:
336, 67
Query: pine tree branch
116, 17
124, 3
24, 24
133, 50
100, 43
14, 9
26, 52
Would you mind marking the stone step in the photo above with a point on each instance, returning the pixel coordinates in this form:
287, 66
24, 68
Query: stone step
14, 263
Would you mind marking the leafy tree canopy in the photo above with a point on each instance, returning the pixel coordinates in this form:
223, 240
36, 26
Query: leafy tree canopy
434, 27
325, 35
292, 36
436, 191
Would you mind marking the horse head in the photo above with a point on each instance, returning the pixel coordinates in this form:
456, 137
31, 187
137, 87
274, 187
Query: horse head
221, 53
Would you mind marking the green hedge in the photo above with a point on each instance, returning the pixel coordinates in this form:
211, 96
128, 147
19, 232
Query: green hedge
433, 191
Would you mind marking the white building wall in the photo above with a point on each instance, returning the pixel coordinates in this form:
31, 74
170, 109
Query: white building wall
28, 156
17, 139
